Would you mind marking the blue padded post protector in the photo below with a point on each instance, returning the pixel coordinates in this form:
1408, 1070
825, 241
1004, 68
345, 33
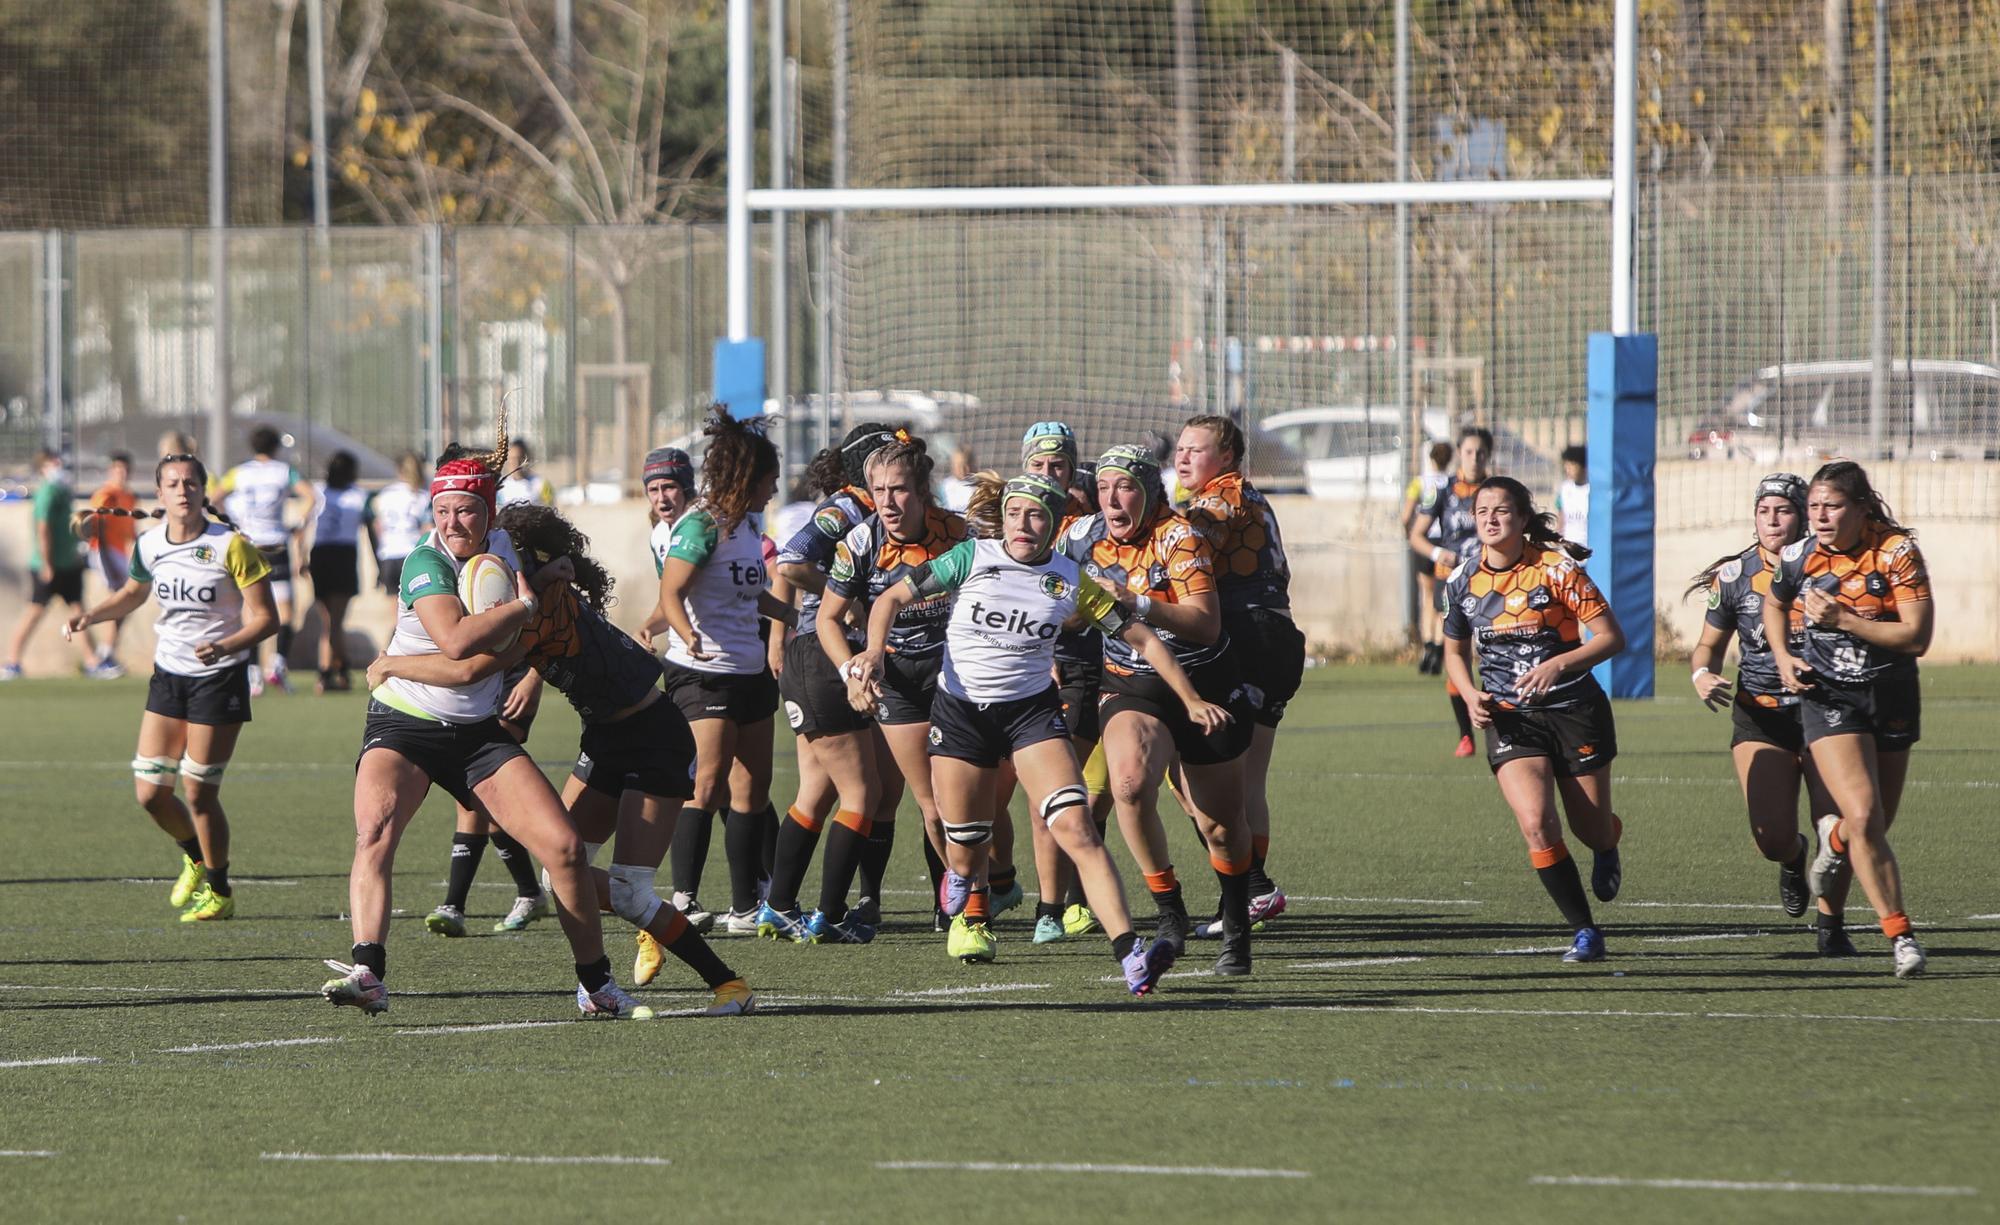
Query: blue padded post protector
739, 376
1623, 442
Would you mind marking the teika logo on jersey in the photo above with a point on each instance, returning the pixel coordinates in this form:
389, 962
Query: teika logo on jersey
746, 574
180, 591
1017, 621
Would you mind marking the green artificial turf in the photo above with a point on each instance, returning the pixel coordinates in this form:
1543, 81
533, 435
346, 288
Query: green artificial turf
1425, 1072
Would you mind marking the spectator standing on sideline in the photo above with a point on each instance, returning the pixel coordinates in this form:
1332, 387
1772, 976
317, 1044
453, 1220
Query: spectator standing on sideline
520, 482
1573, 498
955, 490
108, 544
55, 562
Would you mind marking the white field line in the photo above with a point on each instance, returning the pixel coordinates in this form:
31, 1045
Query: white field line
1353, 963
248, 1046
241, 880
1391, 901
49, 1063
1537, 948
464, 1158
986, 989
491, 1027
1068, 1167
29, 1152
1623, 1014
56, 990
1706, 936
1983, 916
1721, 1184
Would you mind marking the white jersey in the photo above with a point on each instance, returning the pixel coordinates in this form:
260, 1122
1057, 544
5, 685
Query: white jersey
430, 570
526, 487
1001, 640
400, 515
722, 599
1573, 502
340, 511
254, 494
199, 586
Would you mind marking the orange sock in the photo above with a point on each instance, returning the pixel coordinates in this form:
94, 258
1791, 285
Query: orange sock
1549, 858
1834, 840
1226, 865
855, 821
677, 926
1894, 925
1260, 846
1161, 882
804, 819
977, 906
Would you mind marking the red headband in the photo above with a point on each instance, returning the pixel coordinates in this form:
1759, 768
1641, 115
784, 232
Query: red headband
468, 476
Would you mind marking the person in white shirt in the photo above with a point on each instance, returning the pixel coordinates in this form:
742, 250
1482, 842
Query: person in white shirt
396, 518
1573, 498
335, 564
955, 490
255, 494
521, 483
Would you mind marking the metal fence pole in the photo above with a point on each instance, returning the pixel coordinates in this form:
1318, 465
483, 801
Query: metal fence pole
54, 340
218, 223
1878, 243
434, 338
1405, 401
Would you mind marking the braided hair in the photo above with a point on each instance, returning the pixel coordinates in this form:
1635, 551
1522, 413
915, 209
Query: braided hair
738, 460
82, 517
541, 533
1541, 530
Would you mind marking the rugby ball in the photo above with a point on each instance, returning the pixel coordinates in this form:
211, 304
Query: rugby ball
486, 582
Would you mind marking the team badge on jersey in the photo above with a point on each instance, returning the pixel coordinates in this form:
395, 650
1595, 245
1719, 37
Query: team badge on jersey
1054, 586
204, 553
831, 523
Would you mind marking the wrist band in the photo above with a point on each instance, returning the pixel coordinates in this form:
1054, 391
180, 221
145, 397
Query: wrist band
1698, 674
1142, 606
532, 604
1436, 551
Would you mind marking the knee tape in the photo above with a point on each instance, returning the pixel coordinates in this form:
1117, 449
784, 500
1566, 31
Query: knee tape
633, 897
196, 772
971, 833
1061, 799
159, 771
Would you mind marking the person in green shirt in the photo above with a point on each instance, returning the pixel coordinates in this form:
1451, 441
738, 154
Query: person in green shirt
55, 563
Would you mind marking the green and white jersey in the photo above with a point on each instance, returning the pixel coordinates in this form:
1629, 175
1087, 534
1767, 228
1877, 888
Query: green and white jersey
722, 599
254, 494
1001, 640
430, 570
199, 586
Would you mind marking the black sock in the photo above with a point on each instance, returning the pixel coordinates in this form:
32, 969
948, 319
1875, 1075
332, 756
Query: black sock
1170, 900
935, 866
218, 881
594, 975
191, 848
1464, 716
1235, 905
796, 844
1829, 922
1565, 885
1121, 946
875, 858
374, 956
1260, 880
284, 644
1000, 880
520, 865
1797, 863
466, 852
767, 839
837, 867
695, 954
742, 842
1048, 910
689, 854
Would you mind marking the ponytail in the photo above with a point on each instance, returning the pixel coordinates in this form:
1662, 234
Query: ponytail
983, 506
1706, 579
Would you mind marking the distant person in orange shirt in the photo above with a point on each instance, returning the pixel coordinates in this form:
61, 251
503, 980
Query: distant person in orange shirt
109, 539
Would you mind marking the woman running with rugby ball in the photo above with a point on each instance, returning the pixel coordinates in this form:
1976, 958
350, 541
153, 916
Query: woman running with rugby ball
419, 735
1521, 595
1010, 593
214, 590
1865, 595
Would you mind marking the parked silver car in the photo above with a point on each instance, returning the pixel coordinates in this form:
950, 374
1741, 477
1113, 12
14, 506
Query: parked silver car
1802, 412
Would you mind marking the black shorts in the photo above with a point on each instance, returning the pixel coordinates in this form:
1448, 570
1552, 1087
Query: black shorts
65, 585
908, 688
1577, 738
216, 700
279, 558
1890, 708
389, 574
815, 696
1080, 686
335, 569
517, 728
986, 733
650, 751
1752, 722
1218, 682
1271, 651
741, 698
454, 756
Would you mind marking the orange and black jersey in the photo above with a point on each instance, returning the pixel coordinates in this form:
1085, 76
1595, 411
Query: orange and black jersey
597, 666
1242, 533
1449, 504
1169, 563
1883, 572
1520, 617
1077, 648
833, 517
1736, 603
870, 561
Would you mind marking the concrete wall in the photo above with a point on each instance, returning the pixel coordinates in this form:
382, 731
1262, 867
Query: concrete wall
1348, 564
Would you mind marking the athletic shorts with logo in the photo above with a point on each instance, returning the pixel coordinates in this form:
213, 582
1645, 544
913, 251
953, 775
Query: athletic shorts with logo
815, 696
279, 558
738, 697
1891, 709
1218, 681
908, 689
455, 756
985, 733
1577, 737
650, 751
1753, 722
1271, 651
216, 700
1080, 686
